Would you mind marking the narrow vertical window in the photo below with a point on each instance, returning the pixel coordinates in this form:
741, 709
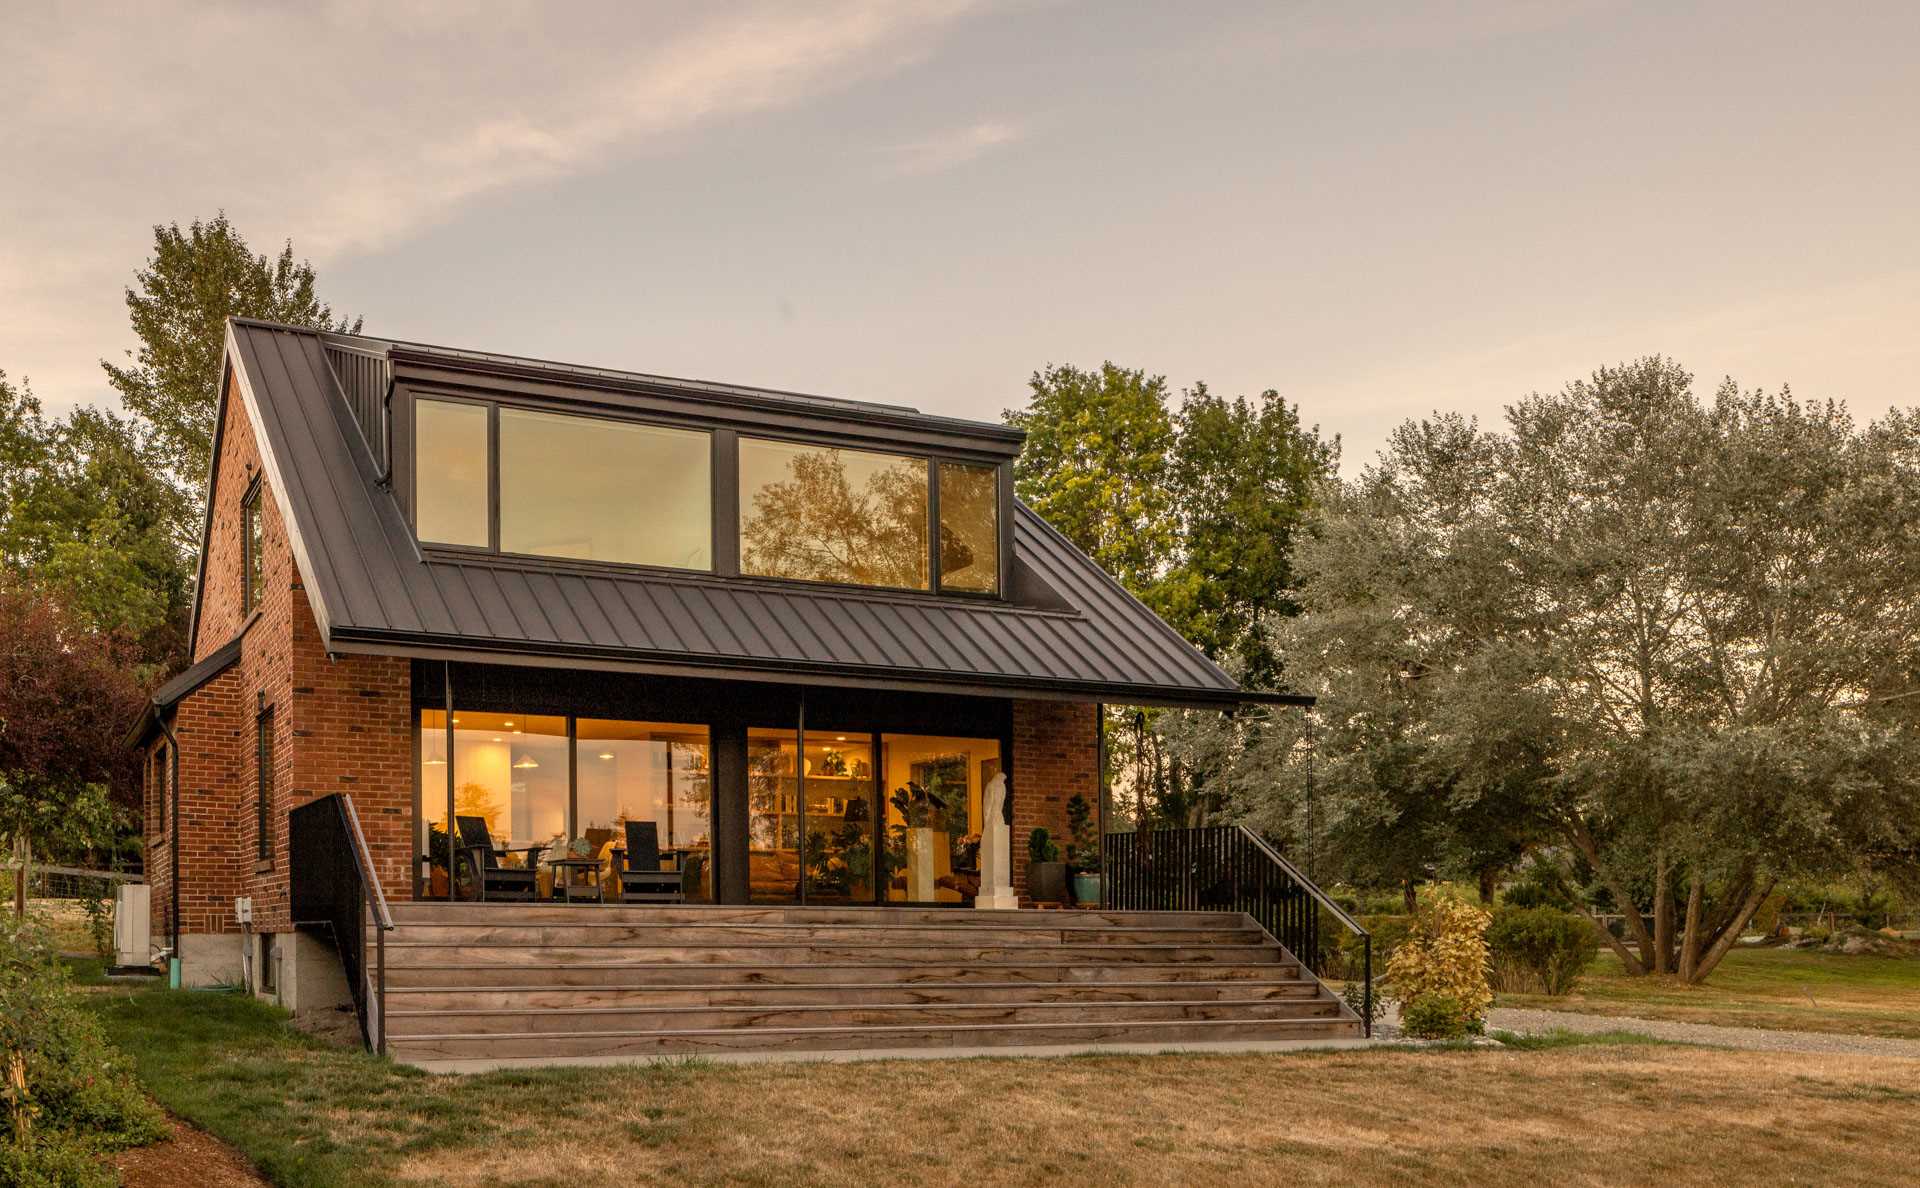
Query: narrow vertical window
252, 550
969, 528
263, 782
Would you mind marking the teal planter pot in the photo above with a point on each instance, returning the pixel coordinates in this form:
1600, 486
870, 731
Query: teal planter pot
1086, 889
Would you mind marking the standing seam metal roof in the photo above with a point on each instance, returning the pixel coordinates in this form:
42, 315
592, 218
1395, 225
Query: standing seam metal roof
374, 590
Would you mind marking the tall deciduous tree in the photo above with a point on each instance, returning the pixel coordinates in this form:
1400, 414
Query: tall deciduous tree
195, 280
1097, 465
1243, 474
67, 694
1675, 638
85, 512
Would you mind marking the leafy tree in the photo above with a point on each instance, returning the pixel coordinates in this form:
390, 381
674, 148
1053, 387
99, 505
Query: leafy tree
1194, 510
66, 696
85, 512
1243, 474
1675, 639
194, 281
1097, 465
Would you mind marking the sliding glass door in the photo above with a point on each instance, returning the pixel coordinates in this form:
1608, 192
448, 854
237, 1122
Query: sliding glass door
533, 788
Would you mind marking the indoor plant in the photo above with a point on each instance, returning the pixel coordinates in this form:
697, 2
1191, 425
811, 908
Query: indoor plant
1083, 852
1046, 874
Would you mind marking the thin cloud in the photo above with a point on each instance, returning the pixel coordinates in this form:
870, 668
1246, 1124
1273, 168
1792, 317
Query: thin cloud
954, 147
352, 126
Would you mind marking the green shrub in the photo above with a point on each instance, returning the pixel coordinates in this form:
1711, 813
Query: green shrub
1539, 950
63, 1081
1444, 953
1354, 994
1041, 847
1434, 1016
49, 1160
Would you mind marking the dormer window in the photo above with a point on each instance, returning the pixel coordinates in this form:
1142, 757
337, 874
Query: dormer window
450, 473
824, 514
684, 493
596, 489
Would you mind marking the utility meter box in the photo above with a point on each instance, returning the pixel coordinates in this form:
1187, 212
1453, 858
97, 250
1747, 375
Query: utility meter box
243, 909
133, 925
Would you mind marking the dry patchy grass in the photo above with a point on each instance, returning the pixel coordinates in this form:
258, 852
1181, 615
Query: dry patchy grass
1570, 1114
1579, 1115
1790, 989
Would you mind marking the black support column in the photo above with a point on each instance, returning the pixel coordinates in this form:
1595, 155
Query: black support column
730, 873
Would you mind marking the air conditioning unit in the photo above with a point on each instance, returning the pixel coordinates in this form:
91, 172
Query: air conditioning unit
133, 925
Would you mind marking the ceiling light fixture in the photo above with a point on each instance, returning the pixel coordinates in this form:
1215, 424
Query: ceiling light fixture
606, 754
436, 761
526, 763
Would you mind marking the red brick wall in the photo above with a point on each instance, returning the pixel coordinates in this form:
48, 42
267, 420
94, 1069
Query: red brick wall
340, 725
1056, 753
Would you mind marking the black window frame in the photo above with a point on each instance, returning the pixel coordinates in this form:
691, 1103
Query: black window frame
724, 469
263, 782
253, 548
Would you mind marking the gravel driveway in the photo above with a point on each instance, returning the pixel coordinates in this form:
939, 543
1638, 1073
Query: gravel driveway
1751, 1038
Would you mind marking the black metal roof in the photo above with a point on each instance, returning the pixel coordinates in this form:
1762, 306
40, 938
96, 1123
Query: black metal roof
373, 590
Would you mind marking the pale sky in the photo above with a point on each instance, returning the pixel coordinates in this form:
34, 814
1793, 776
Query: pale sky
1379, 209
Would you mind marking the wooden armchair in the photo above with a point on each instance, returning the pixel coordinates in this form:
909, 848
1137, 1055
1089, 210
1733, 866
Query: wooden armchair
480, 863
641, 879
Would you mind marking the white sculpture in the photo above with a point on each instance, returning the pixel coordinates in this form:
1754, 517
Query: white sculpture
996, 852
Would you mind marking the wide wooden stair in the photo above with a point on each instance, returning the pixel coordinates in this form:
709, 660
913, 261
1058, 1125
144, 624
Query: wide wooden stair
516, 983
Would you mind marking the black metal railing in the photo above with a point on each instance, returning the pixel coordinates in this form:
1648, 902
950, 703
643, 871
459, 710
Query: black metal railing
1229, 868
333, 889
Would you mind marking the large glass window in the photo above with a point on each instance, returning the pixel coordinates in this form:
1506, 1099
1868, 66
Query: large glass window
933, 794
832, 515
509, 775
646, 771
450, 472
605, 490
969, 528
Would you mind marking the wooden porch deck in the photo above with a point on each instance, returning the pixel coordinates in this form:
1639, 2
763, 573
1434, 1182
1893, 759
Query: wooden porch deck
529, 983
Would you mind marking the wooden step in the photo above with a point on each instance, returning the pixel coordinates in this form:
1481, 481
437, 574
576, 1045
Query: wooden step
627, 973
408, 1024
510, 1046
402, 953
530, 997
428, 912
594, 932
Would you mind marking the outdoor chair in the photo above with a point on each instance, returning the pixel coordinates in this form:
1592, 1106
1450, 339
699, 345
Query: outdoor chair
480, 862
641, 879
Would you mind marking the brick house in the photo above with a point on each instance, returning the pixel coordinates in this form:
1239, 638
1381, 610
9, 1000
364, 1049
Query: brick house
631, 637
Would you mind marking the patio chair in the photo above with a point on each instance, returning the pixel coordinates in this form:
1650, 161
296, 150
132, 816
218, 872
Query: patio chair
480, 862
641, 879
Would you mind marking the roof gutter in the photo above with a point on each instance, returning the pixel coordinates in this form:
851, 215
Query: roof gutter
382, 643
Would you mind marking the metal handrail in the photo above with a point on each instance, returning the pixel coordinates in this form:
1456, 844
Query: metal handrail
1337, 912
1312, 888
364, 857
1229, 868
382, 920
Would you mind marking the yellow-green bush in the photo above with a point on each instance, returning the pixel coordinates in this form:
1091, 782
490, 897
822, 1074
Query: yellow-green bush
1444, 954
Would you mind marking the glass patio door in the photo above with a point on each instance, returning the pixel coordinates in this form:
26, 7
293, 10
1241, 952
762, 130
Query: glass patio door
811, 815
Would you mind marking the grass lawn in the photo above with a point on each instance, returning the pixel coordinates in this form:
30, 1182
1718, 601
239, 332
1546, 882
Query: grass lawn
1791, 989
1556, 1111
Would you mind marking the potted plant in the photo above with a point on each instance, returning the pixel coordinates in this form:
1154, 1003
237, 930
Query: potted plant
1046, 874
921, 810
1083, 852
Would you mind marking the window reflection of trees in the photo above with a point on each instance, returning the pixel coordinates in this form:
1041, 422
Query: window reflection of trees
969, 541
822, 523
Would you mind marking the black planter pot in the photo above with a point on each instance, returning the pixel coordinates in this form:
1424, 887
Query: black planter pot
1047, 882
